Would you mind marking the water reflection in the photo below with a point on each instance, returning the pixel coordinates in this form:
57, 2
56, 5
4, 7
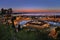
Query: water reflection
53, 23
23, 22
50, 22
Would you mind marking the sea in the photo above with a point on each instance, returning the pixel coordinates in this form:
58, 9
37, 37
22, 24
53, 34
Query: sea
37, 13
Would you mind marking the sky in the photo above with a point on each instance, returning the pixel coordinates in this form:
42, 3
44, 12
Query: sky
30, 4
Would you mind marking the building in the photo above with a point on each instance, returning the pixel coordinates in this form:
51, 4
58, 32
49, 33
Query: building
9, 10
2, 11
6, 11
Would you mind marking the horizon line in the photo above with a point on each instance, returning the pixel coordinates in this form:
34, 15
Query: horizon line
37, 10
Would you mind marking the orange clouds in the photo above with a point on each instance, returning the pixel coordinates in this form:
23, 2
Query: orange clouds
36, 10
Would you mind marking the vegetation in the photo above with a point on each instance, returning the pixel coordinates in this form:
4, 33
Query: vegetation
8, 33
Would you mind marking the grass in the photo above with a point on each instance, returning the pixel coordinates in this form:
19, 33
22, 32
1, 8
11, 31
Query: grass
8, 33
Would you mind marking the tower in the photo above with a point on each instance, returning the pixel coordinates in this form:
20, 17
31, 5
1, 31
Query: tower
2, 11
9, 10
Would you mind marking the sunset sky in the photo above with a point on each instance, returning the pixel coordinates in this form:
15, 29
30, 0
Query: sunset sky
30, 5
